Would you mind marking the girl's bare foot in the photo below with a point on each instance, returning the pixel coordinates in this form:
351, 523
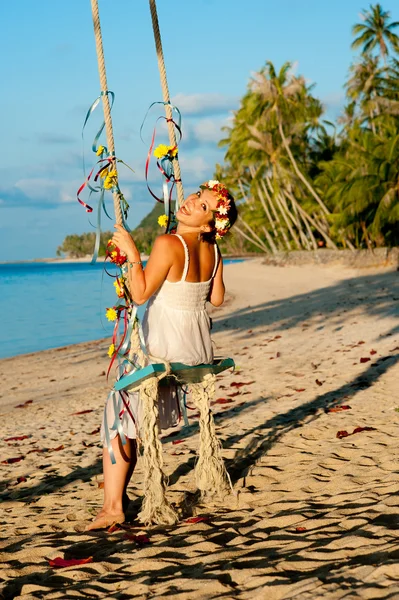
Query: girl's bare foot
105, 519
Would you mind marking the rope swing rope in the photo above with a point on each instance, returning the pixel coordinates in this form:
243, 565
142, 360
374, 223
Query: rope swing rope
106, 105
166, 99
210, 473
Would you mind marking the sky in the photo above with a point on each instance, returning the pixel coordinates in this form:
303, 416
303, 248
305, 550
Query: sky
211, 48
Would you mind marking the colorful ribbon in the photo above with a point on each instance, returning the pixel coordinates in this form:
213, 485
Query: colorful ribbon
165, 164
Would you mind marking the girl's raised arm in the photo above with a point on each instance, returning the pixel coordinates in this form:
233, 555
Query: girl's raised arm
216, 295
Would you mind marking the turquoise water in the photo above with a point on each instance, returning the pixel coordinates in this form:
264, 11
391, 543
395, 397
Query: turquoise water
47, 305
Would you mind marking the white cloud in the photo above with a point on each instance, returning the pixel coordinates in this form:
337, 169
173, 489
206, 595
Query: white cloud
204, 104
209, 130
195, 167
56, 138
47, 190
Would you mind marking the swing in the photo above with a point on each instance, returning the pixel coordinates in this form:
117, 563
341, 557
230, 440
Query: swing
210, 474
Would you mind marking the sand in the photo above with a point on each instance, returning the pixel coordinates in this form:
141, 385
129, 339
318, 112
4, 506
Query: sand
312, 515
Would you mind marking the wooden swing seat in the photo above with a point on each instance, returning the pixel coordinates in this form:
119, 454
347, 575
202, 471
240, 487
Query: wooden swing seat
184, 374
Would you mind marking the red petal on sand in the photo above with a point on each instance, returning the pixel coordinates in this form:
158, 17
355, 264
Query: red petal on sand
100, 485
365, 359
55, 449
17, 438
234, 394
82, 412
277, 337
278, 354
114, 527
177, 442
361, 342
300, 389
21, 479
360, 429
11, 461
24, 404
339, 408
95, 431
249, 331
342, 434
198, 519
239, 384
300, 529
223, 401
59, 563
373, 351
141, 539
319, 382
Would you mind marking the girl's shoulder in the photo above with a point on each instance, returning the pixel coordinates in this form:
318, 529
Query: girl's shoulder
166, 242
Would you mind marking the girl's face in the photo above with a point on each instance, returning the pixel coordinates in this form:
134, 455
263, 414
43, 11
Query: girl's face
197, 209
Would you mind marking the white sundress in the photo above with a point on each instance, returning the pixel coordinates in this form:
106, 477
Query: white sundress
176, 328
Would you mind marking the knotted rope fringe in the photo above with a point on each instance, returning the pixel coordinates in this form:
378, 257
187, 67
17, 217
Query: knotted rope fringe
135, 347
211, 476
155, 508
166, 98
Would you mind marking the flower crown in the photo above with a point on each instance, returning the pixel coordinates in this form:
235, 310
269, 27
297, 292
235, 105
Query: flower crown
222, 223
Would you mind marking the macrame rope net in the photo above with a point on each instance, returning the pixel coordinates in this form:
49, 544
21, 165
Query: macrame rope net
210, 473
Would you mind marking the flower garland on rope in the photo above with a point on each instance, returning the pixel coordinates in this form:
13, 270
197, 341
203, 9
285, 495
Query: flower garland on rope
102, 177
165, 156
121, 313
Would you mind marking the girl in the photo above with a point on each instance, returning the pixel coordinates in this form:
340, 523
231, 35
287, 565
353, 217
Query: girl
183, 272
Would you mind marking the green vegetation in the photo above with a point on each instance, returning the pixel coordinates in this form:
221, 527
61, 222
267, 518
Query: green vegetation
303, 182
77, 246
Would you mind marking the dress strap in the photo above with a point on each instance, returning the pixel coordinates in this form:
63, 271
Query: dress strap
215, 268
186, 257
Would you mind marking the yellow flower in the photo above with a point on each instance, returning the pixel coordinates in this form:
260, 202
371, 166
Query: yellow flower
109, 182
114, 253
161, 151
111, 350
104, 173
172, 151
100, 150
163, 220
111, 314
119, 289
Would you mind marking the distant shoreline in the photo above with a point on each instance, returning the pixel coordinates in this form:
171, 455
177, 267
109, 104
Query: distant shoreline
87, 259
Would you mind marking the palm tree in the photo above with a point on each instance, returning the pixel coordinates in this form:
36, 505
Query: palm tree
376, 32
286, 99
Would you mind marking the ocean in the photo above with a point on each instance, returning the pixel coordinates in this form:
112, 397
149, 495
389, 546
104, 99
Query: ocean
48, 305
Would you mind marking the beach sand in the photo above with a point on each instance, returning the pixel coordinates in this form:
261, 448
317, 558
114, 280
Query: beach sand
313, 515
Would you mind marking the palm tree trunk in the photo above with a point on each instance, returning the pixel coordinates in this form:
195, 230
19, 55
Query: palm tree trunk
299, 226
243, 191
262, 199
295, 218
261, 245
326, 237
288, 223
304, 216
271, 203
266, 209
255, 236
270, 240
366, 235
297, 170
